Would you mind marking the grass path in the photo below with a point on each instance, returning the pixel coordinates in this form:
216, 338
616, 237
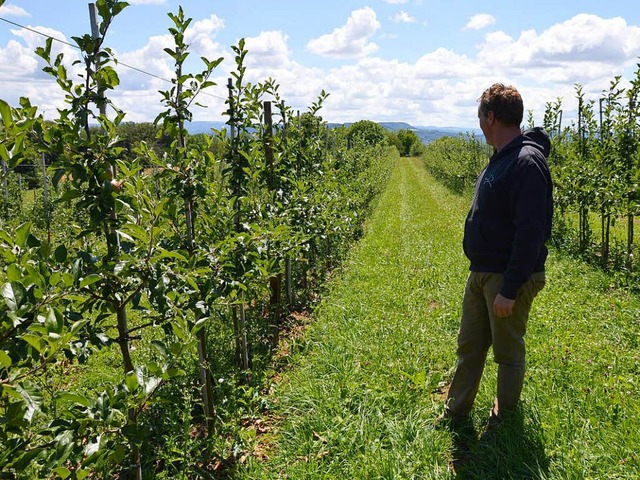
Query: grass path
364, 388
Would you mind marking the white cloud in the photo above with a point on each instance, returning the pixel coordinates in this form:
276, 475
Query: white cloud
442, 86
590, 37
17, 61
200, 36
581, 49
268, 49
443, 63
350, 40
21, 72
403, 17
396, 2
10, 10
480, 21
24, 56
152, 58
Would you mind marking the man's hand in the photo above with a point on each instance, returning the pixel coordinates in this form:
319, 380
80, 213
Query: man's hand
502, 306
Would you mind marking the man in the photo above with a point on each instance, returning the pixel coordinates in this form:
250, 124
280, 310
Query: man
504, 239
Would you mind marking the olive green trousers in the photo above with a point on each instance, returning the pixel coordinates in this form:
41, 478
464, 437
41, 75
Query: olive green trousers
481, 329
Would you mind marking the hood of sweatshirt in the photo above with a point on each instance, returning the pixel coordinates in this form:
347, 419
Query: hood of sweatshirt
536, 137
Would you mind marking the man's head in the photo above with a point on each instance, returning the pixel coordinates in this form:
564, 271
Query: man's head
500, 110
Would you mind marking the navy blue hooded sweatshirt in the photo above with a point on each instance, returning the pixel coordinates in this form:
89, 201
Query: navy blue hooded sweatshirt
510, 216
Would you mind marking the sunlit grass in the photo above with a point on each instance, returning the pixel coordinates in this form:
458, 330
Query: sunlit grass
362, 393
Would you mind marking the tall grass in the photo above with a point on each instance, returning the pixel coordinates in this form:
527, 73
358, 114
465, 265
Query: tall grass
367, 381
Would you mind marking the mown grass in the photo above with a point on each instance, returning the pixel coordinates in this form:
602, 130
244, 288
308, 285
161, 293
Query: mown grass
366, 383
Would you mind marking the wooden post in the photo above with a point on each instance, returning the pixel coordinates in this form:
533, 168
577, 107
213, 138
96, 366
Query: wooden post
560, 122
326, 142
5, 182
239, 315
275, 282
268, 144
333, 142
604, 236
232, 133
629, 200
288, 282
45, 194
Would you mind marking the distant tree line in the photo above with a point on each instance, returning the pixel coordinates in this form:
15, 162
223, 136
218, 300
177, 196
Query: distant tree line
406, 141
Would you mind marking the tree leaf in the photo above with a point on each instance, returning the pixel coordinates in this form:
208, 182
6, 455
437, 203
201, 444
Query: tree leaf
5, 359
74, 398
169, 254
14, 295
5, 113
60, 254
35, 341
4, 153
82, 474
62, 472
14, 272
22, 234
135, 231
32, 399
131, 381
89, 280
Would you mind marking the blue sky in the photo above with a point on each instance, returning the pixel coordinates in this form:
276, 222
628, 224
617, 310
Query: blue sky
420, 61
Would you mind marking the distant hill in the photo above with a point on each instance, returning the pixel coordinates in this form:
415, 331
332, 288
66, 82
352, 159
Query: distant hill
429, 134
426, 134
204, 127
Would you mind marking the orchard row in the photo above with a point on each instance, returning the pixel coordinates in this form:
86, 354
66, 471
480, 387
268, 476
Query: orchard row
139, 305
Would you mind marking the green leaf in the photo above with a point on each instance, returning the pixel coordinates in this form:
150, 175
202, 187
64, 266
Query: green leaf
118, 454
32, 399
82, 474
54, 321
14, 295
112, 76
62, 472
135, 231
90, 280
5, 359
74, 398
4, 236
169, 254
131, 381
158, 345
60, 254
160, 207
179, 330
70, 195
22, 234
4, 153
14, 272
5, 112
198, 325
35, 341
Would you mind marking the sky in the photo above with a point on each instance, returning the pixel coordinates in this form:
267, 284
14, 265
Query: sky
423, 62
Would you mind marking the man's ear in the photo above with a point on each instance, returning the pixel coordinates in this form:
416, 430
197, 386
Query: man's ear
491, 117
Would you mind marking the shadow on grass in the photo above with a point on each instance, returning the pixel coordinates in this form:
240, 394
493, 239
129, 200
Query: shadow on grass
515, 450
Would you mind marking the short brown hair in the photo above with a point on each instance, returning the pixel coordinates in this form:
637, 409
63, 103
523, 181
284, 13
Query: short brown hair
504, 101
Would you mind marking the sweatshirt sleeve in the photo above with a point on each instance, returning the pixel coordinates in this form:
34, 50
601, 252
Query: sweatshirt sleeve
528, 203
